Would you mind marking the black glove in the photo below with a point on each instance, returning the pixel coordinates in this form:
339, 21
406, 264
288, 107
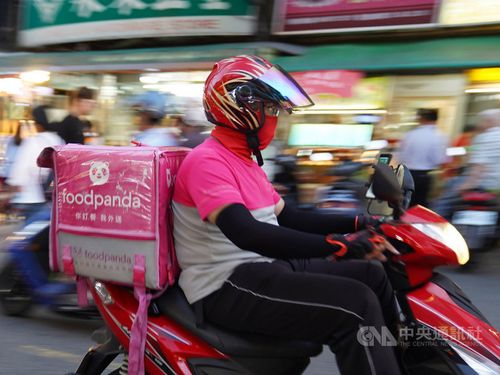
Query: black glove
355, 245
367, 221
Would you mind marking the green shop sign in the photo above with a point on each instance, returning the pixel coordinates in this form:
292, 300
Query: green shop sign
46, 22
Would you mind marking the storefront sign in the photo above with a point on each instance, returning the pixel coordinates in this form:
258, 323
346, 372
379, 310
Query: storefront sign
62, 21
336, 82
429, 86
302, 16
460, 12
365, 94
484, 75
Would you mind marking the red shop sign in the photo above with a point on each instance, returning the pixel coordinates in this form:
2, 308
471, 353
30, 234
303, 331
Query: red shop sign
324, 15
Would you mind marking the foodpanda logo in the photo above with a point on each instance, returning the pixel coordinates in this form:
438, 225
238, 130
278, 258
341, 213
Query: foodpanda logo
99, 172
99, 175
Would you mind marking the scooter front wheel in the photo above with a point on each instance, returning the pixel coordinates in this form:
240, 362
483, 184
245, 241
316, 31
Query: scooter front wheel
15, 296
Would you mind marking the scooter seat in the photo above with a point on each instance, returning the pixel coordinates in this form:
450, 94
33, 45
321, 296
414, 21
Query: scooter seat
173, 303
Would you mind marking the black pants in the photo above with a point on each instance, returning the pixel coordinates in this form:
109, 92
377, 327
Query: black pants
422, 181
314, 300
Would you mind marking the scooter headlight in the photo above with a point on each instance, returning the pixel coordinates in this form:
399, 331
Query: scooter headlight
448, 235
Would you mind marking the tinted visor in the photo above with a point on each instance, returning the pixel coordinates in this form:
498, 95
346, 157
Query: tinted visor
285, 89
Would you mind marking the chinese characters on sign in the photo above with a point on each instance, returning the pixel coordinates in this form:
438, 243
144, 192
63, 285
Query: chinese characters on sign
102, 218
49, 9
59, 21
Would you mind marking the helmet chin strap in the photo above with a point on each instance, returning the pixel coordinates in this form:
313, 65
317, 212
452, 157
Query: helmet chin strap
254, 143
253, 137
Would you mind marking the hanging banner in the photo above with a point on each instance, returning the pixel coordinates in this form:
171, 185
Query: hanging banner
46, 22
355, 93
307, 16
335, 82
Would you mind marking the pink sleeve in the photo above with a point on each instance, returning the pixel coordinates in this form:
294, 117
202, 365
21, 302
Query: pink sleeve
211, 185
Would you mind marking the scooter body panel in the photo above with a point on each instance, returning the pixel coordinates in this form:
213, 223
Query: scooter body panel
433, 306
168, 346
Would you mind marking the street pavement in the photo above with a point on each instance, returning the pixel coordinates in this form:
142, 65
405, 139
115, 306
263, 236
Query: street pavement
47, 344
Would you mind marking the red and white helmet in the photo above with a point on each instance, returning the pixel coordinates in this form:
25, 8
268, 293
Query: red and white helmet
241, 90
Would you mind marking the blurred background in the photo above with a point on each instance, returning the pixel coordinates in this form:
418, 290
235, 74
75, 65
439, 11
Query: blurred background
367, 64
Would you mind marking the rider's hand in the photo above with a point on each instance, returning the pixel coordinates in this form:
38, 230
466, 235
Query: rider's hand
367, 221
361, 245
377, 252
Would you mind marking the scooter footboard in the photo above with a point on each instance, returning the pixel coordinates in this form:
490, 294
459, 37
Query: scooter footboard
99, 357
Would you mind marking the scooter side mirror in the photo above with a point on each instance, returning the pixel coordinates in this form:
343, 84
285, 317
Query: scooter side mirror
385, 185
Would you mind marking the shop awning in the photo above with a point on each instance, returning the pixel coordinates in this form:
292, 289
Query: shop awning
189, 57
465, 52
449, 53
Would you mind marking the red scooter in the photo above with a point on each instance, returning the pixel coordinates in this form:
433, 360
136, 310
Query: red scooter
442, 332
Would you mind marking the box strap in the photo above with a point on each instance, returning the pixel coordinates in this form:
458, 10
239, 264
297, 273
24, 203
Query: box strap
67, 258
81, 291
81, 284
138, 332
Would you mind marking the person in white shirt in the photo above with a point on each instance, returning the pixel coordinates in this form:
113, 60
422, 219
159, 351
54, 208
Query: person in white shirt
423, 150
26, 176
193, 126
483, 169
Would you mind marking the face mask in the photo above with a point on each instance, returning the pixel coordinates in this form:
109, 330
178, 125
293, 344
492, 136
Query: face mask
266, 134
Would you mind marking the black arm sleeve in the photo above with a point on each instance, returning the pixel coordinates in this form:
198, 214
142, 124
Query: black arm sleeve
241, 228
313, 222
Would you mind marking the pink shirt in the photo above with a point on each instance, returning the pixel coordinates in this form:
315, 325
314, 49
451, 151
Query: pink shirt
210, 177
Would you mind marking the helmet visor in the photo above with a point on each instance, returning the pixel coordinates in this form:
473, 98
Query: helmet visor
285, 89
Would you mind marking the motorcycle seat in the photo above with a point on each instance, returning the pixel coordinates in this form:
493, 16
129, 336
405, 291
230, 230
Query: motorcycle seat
173, 304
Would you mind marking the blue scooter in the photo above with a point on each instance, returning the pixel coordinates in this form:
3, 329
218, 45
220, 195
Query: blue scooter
26, 280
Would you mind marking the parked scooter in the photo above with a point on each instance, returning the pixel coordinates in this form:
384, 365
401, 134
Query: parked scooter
346, 195
476, 217
433, 309
24, 279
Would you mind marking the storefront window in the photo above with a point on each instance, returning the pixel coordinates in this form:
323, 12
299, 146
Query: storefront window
443, 92
483, 92
478, 102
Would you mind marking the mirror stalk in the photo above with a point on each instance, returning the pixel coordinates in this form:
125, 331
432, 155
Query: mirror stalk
398, 212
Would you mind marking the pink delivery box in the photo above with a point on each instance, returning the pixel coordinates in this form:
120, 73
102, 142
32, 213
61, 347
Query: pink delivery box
110, 205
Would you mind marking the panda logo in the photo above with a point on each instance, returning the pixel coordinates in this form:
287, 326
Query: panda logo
99, 172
